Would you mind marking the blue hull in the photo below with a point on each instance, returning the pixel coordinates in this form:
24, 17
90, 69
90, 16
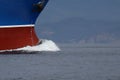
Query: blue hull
20, 12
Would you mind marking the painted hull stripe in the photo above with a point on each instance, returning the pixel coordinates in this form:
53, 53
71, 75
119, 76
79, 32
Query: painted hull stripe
12, 26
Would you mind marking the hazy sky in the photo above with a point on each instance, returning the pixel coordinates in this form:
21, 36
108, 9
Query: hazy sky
80, 21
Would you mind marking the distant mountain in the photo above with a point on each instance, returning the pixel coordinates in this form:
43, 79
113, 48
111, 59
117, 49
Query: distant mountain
76, 29
82, 21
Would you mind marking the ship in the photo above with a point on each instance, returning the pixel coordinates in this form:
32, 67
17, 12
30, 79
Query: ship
17, 23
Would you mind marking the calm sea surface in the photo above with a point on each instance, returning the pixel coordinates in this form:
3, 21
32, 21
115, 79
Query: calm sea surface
72, 63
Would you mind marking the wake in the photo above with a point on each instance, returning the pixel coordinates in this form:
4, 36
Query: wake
46, 45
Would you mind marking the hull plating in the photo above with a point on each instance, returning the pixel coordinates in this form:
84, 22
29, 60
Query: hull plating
19, 12
17, 37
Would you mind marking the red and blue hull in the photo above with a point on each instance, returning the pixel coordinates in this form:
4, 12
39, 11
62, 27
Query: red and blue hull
17, 20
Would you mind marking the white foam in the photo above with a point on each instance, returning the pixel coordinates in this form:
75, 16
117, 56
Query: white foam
47, 45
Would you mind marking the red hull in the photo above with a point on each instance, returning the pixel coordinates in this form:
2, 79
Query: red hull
17, 37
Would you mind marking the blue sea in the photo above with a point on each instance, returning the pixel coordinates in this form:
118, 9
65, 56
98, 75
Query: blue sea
72, 62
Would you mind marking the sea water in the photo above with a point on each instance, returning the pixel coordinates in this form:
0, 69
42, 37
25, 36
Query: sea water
73, 62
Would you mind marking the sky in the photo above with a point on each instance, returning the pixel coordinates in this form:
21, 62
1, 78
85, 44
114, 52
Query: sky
80, 21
